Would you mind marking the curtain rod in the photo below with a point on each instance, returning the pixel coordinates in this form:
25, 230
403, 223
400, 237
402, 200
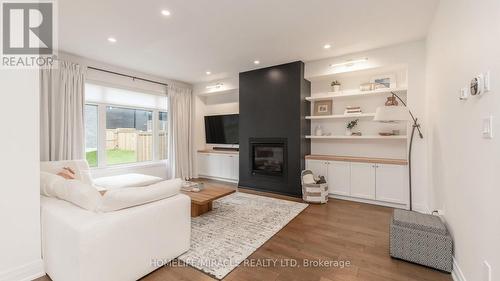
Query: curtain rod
129, 76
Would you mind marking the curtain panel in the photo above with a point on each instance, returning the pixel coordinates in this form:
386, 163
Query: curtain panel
181, 134
62, 101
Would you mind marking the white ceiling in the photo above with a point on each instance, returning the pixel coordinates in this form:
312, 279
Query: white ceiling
226, 36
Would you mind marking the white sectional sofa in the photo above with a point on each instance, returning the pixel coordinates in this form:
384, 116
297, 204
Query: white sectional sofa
82, 245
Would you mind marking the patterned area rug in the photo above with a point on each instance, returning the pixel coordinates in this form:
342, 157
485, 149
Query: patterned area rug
237, 226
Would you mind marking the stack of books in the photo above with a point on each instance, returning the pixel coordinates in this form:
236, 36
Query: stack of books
352, 110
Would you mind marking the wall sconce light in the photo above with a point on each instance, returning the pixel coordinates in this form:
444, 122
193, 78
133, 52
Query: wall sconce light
215, 87
349, 62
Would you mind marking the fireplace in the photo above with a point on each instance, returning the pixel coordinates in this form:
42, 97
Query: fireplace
273, 127
268, 156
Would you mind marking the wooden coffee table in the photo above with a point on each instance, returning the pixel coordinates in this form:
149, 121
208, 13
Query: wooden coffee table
201, 202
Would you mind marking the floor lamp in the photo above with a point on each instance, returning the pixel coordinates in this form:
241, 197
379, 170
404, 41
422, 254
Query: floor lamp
387, 114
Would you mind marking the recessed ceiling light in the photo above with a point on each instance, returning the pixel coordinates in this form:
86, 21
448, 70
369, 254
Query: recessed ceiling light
256, 62
208, 72
112, 39
165, 12
327, 46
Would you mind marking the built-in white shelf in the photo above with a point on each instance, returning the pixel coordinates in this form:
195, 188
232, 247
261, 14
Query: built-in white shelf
219, 92
355, 93
374, 137
341, 116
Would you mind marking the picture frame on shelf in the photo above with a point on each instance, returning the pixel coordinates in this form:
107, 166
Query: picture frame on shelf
386, 81
322, 108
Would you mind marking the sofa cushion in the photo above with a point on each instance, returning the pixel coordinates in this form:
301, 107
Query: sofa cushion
126, 180
127, 197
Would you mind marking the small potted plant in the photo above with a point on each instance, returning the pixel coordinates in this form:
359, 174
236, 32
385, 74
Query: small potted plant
335, 85
350, 126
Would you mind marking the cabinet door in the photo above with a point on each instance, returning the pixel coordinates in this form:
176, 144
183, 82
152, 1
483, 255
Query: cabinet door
236, 167
203, 164
339, 178
225, 166
392, 183
318, 167
363, 180
215, 162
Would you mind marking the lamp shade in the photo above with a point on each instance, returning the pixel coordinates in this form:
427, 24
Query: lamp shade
391, 114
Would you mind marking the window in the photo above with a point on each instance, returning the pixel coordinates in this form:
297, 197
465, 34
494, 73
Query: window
163, 135
91, 130
129, 135
132, 126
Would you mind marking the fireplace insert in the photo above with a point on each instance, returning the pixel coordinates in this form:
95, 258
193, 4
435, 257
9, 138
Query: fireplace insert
268, 157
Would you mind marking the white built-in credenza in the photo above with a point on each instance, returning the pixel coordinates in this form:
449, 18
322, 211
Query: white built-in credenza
370, 180
219, 165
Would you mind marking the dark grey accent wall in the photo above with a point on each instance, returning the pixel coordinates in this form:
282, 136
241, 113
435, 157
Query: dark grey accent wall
272, 105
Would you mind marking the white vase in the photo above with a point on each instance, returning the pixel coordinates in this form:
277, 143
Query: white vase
348, 132
319, 131
336, 88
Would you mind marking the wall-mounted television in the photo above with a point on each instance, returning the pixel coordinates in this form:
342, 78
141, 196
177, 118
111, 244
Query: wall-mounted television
222, 129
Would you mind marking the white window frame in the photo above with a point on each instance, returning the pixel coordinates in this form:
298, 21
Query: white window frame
101, 137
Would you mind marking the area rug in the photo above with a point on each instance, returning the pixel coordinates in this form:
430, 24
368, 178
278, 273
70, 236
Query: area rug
237, 226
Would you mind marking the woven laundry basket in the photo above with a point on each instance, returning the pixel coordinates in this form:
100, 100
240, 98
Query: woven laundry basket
314, 192
422, 239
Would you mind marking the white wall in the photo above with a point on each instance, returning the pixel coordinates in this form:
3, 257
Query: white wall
20, 257
464, 40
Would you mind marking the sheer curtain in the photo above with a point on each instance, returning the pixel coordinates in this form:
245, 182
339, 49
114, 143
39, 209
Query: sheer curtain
62, 102
180, 135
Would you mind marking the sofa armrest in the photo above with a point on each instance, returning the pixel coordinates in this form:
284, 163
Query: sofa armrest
122, 245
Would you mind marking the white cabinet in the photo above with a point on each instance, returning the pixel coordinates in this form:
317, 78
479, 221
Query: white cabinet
222, 166
392, 183
363, 180
384, 184
339, 177
318, 167
203, 163
336, 173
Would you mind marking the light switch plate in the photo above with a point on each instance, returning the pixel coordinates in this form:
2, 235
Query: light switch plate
464, 93
487, 82
488, 127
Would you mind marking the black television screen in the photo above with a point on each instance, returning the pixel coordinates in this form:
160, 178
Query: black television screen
222, 129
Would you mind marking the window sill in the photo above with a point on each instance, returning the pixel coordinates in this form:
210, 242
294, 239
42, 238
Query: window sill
132, 165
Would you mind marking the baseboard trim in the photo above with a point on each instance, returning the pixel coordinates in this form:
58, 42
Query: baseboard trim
457, 274
368, 201
421, 208
25, 272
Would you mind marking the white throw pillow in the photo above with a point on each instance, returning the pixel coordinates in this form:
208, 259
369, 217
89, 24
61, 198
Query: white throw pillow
81, 194
47, 183
127, 197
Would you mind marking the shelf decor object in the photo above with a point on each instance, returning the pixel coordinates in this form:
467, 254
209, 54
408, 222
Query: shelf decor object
323, 108
400, 113
335, 86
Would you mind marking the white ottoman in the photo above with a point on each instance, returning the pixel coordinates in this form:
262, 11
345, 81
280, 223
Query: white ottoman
125, 180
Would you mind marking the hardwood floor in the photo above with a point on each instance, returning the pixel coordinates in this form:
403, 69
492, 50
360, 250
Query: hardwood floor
339, 230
